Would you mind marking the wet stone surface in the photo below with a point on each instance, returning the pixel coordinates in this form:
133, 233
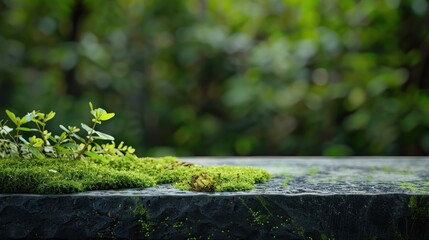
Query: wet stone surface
308, 198
338, 176
399, 175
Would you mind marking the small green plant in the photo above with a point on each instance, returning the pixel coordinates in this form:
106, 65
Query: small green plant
68, 144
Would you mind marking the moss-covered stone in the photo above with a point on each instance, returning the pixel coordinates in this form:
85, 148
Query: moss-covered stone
56, 176
222, 179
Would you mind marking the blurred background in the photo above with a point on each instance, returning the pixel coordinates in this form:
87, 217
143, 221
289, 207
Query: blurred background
207, 77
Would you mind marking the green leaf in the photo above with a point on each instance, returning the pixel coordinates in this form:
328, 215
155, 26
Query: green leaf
36, 142
78, 137
96, 121
23, 140
100, 111
90, 106
23, 120
61, 138
25, 129
103, 136
94, 155
64, 128
40, 115
12, 117
53, 139
70, 129
70, 145
87, 128
50, 116
106, 116
130, 150
93, 113
38, 122
64, 150
36, 152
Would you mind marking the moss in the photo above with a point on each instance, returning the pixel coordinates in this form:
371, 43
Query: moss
387, 169
60, 186
178, 224
56, 176
415, 224
313, 171
140, 210
415, 187
258, 218
391, 170
369, 179
419, 207
409, 186
286, 180
265, 217
222, 178
145, 222
147, 227
296, 228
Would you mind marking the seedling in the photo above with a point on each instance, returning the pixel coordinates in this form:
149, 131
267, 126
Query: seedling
67, 145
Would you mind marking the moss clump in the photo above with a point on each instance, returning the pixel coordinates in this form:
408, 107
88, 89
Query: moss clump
57, 176
60, 186
222, 179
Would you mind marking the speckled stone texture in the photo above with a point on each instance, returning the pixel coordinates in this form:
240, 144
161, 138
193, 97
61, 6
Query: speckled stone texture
308, 198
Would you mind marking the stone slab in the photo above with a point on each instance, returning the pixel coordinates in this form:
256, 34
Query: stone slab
308, 198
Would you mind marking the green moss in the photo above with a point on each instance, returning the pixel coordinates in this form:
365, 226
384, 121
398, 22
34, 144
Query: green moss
409, 186
60, 186
415, 187
313, 171
416, 223
387, 169
390, 170
222, 178
56, 176
140, 210
296, 227
413, 202
419, 207
258, 218
286, 180
147, 227
145, 222
178, 224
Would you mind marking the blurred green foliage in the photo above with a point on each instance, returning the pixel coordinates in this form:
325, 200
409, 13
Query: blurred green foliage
236, 77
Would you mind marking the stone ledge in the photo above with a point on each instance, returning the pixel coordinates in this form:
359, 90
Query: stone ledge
308, 199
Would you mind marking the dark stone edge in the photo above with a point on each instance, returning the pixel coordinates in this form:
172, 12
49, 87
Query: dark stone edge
301, 216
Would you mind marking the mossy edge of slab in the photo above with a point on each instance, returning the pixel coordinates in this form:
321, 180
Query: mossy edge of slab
56, 176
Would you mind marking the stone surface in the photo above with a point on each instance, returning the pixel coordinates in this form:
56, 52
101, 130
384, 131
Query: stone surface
308, 198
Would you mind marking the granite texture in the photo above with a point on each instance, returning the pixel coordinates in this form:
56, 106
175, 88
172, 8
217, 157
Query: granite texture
308, 198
